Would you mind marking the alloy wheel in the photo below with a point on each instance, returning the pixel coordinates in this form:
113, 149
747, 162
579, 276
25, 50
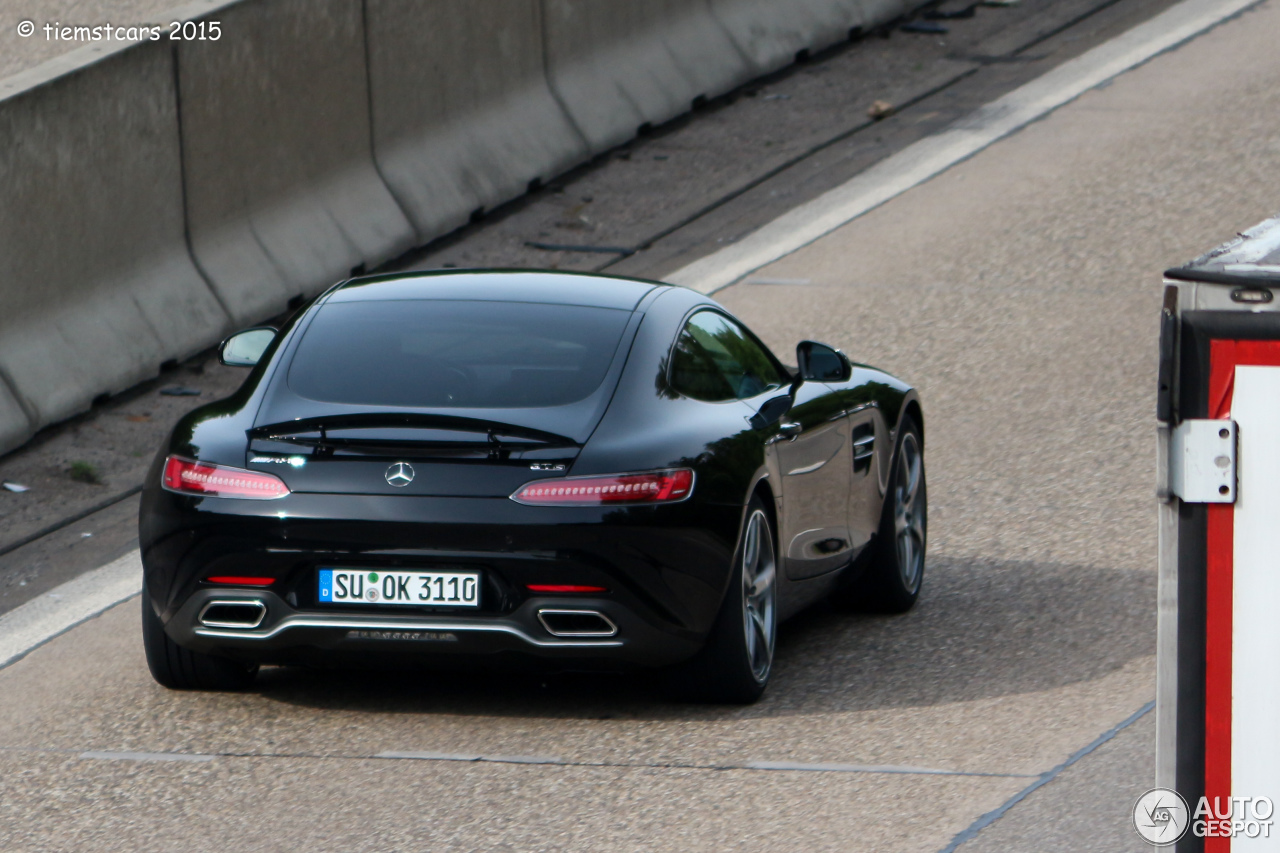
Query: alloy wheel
909, 513
759, 595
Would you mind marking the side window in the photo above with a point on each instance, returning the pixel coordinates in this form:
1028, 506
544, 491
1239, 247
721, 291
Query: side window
716, 360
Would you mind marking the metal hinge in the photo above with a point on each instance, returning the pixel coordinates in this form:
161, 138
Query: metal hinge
1202, 462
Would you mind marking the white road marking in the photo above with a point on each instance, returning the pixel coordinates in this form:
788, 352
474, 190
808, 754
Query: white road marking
921, 161
62, 608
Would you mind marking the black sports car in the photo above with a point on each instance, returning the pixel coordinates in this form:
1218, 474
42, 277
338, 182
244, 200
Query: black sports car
592, 471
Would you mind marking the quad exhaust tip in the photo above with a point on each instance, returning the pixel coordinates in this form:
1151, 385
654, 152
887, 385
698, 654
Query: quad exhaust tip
577, 623
243, 613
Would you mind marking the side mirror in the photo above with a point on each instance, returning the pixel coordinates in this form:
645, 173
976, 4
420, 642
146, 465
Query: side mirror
245, 349
821, 363
771, 412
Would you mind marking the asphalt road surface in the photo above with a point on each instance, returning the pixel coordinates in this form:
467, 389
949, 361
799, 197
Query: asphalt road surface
1020, 290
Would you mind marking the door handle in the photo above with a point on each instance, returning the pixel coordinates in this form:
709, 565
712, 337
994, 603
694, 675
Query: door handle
789, 431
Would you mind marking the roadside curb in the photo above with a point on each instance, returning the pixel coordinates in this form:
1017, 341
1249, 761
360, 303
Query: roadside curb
933, 155
31, 625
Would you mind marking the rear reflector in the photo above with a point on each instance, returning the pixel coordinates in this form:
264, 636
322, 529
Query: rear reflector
231, 580
651, 487
563, 587
189, 477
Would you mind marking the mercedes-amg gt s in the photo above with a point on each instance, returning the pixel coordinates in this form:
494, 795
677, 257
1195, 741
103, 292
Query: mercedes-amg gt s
464, 466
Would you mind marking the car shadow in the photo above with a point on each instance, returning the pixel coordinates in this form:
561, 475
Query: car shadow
982, 629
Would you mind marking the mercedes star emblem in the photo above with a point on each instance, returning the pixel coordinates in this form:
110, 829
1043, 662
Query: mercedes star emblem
400, 474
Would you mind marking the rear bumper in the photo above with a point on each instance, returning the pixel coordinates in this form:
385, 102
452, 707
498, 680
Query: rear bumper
287, 635
665, 569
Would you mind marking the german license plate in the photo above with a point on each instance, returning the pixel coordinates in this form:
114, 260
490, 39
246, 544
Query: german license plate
361, 586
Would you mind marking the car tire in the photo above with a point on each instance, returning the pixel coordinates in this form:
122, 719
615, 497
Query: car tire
182, 669
894, 571
735, 664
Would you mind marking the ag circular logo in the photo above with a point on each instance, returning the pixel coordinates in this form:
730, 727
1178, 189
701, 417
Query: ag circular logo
1161, 816
400, 474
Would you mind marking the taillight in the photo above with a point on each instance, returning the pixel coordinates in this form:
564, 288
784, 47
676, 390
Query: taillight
651, 487
563, 587
237, 580
188, 477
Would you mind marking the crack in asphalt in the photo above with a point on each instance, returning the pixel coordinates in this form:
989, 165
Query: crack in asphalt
970, 832
479, 758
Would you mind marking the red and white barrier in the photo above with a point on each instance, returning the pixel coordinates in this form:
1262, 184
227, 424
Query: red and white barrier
1242, 625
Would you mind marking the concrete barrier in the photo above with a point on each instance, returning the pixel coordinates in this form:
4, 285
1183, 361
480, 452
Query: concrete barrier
15, 425
158, 195
771, 32
282, 194
96, 286
462, 116
618, 65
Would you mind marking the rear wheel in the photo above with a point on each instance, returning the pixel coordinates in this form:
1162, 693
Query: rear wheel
181, 669
735, 664
892, 582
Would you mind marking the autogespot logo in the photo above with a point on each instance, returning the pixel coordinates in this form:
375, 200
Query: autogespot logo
1161, 816
400, 474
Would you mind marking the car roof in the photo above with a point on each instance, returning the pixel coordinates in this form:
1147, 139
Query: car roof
542, 286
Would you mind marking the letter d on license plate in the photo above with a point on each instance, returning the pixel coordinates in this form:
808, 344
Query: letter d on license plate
361, 586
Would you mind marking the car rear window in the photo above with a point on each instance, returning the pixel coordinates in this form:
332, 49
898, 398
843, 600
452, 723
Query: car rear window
455, 354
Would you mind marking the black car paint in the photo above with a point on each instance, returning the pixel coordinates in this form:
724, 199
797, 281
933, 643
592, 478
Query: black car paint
666, 567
